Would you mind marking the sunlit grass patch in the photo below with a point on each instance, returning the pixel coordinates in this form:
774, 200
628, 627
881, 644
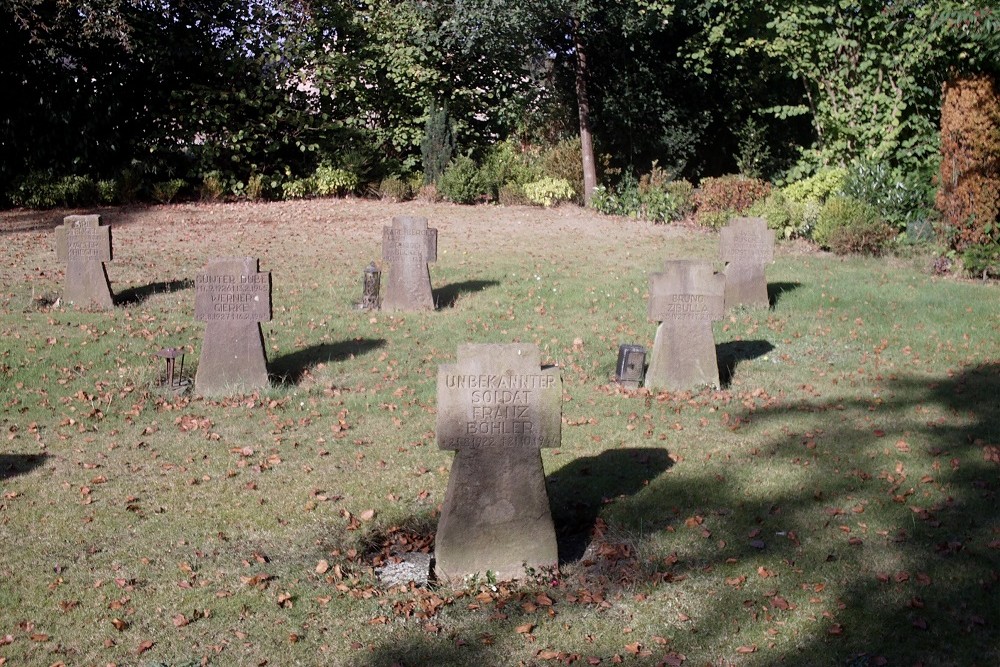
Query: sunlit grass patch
836, 493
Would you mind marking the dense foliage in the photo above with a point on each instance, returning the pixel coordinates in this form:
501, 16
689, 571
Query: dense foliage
121, 100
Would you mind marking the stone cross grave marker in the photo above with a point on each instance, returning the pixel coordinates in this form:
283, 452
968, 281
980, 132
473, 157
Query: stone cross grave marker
85, 244
407, 246
685, 298
747, 246
496, 409
232, 297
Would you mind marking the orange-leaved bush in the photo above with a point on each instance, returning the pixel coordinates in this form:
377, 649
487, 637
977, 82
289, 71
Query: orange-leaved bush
968, 194
718, 199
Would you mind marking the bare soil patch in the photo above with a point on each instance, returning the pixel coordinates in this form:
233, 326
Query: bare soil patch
349, 215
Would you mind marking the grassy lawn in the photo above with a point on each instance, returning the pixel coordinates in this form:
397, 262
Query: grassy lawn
835, 503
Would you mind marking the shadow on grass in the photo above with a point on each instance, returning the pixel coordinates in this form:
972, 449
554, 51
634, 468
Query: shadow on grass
931, 574
289, 369
446, 296
579, 490
136, 295
730, 354
900, 576
33, 220
12, 465
776, 290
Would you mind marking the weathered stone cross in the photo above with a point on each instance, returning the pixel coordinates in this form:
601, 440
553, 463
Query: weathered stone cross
232, 298
407, 246
85, 244
496, 409
747, 247
685, 298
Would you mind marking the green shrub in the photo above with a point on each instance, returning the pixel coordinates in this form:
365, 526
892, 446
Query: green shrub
653, 197
43, 190
900, 202
415, 181
729, 195
623, 200
130, 185
793, 211
866, 237
333, 182
438, 144
564, 161
549, 191
818, 187
788, 219
658, 205
838, 211
807, 215
212, 187
395, 189
601, 200
505, 165
512, 194
429, 193
754, 156
165, 191
78, 191
255, 187
982, 260
462, 182
682, 193
715, 219
663, 199
298, 188
36, 190
776, 211
107, 191
847, 225
325, 181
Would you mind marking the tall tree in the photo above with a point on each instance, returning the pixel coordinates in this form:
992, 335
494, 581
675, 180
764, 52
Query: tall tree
581, 70
66, 80
531, 32
869, 71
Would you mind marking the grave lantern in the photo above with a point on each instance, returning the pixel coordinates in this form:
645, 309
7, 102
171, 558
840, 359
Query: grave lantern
171, 380
369, 295
631, 365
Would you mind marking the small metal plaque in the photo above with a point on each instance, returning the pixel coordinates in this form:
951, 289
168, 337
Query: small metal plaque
631, 366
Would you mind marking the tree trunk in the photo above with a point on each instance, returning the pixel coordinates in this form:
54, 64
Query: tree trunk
583, 104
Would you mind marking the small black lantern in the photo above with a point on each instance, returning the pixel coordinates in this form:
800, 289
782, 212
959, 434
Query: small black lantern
369, 295
173, 380
631, 367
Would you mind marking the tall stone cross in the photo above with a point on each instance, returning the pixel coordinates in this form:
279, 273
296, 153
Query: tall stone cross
496, 409
232, 297
407, 246
85, 244
746, 246
685, 298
